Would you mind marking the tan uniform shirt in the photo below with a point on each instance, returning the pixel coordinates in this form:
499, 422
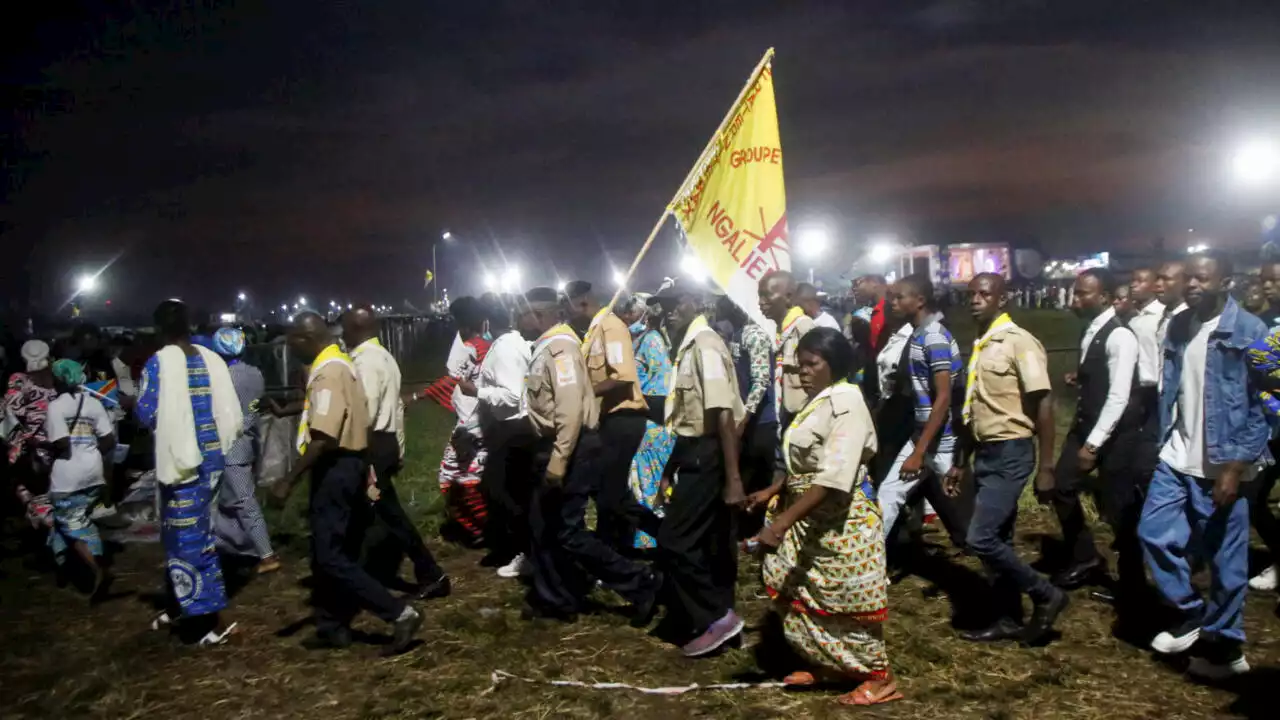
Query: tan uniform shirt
338, 407
705, 380
834, 441
1011, 364
611, 358
561, 402
791, 395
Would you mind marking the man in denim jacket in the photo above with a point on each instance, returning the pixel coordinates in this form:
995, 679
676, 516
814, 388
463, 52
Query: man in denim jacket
1214, 437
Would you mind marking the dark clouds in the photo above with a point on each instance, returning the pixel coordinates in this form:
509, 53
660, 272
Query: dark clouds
292, 147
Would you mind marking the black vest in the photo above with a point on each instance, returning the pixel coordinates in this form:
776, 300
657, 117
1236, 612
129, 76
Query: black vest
1093, 382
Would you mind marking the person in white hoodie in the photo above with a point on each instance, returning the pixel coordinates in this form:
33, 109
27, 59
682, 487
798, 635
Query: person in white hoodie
187, 399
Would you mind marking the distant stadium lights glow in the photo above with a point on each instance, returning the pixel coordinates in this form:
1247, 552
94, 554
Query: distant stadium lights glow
692, 269
447, 235
1256, 162
813, 242
489, 282
619, 278
241, 297
87, 283
302, 301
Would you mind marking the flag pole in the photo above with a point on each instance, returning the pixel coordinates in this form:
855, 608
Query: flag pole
693, 173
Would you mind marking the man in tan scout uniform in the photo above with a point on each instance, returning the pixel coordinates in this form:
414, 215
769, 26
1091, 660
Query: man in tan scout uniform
1009, 412
696, 538
611, 365
332, 438
778, 303
564, 414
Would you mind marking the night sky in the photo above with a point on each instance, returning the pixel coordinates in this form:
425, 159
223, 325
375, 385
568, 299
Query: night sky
291, 147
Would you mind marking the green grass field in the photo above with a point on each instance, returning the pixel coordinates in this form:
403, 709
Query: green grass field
63, 659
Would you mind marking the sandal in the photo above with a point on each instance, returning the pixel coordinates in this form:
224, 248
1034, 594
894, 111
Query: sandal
213, 637
865, 694
800, 678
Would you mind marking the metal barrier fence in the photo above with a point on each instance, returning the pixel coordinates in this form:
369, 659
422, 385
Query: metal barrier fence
415, 342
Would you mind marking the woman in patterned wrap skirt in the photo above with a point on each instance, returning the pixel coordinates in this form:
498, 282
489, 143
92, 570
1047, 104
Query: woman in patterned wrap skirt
824, 564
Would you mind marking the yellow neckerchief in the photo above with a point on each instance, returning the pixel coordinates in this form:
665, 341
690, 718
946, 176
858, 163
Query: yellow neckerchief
699, 325
788, 322
1002, 323
586, 337
562, 330
803, 415
330, 354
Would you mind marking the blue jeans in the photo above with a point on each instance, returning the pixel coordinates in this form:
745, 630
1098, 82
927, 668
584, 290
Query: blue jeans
1179, 507
1001, 471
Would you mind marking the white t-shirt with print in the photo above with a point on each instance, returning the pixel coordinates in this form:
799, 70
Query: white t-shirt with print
83, 469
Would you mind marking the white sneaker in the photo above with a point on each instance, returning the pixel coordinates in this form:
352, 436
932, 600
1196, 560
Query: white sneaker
1266, 580
513, 569
1209, 670
1176, 641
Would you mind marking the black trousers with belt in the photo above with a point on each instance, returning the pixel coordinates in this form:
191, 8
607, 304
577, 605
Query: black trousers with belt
696, 540
340, 515
566, 555
620, 514
1124, 467
507, 484
401, 538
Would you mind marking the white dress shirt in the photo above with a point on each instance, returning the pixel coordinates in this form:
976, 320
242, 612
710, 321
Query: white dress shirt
502, 376
1146, 326
825, 320
380, 377
1122, 358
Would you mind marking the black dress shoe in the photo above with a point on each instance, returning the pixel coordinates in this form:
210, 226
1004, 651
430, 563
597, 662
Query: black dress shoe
643, 611
1043, 617
1079, 575
530, 612
329, 640
1003, 629
438, 588
403, 631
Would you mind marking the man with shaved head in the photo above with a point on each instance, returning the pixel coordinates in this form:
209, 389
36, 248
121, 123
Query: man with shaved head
1008, 411
333, 436
779, 303
1171, 284
380, 378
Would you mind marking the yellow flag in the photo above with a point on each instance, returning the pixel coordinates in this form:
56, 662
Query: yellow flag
430, 277
733, 208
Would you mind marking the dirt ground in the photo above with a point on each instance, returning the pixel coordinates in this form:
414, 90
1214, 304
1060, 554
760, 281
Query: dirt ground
63, 659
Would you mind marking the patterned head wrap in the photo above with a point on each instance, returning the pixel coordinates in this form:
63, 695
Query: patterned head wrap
69, 372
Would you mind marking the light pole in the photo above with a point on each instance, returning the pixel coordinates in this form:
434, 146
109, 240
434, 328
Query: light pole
435, 269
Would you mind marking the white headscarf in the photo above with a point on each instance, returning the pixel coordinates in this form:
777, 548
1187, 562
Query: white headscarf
35, 353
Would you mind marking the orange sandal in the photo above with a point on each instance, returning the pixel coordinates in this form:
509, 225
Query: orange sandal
800, 679
865, 694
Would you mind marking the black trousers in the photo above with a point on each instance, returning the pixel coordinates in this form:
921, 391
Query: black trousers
507, 484
1121, 491
400, 537
566, 555
756, 462
696, 540
1259, 493
340, 515
619, 513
